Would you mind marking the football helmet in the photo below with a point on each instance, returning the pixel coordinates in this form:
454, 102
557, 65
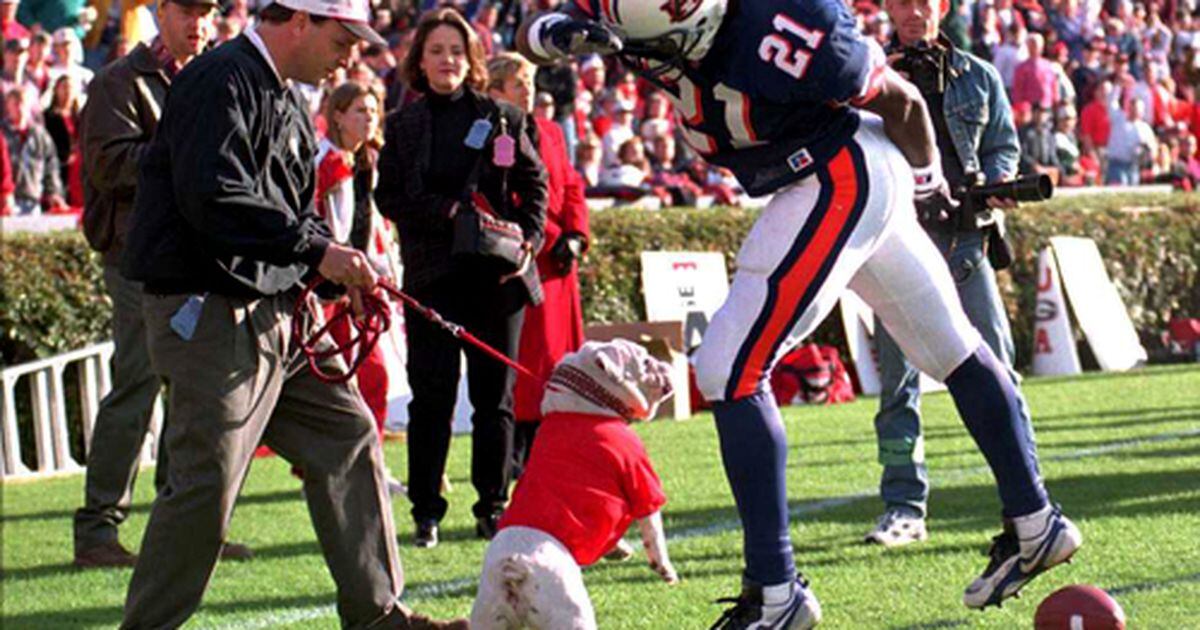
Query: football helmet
670, 31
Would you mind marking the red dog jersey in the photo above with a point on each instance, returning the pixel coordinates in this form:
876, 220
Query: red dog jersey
587, 479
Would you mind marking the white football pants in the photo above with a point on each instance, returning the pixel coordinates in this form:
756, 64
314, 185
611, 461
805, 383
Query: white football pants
850, 224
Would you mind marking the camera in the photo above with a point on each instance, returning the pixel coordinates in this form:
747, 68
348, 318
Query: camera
925, 65
976, 214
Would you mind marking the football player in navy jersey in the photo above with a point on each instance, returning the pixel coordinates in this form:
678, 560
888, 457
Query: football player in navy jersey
790, 97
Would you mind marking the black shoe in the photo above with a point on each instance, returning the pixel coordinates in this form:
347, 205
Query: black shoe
105, 555
235, 551
427, 534
485, 526
403, 618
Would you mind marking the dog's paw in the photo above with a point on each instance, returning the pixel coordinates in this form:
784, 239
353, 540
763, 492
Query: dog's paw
666, 572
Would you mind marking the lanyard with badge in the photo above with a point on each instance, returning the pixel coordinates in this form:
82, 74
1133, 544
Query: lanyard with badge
482, 231
504, 153
504, 148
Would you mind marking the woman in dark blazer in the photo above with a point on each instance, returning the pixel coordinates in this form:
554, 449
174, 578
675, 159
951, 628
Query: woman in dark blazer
431, 147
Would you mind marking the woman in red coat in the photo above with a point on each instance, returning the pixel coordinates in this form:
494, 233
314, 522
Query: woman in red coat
554, 327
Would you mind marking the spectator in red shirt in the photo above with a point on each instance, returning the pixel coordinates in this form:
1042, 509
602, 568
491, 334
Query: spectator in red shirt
603, 114
7, 205
589, 477
1187, 169
10, 28
1184, 109
484, 25
1094, 123
1035, 80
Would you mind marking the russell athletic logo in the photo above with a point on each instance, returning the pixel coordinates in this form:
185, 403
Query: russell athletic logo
680, 10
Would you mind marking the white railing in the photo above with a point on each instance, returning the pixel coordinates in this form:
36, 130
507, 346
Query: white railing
51, 434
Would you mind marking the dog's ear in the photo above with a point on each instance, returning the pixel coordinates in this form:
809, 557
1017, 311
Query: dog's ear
611, 368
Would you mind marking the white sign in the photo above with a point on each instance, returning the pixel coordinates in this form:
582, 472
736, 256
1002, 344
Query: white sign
858, 322
684, 286
394, 346
1097, 307
1053, 344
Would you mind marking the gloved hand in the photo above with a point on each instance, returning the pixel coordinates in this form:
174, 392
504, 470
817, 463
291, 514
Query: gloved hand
568, 249
932, 196
565, 37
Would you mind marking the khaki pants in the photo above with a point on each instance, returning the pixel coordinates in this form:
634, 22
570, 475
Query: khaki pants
237, 382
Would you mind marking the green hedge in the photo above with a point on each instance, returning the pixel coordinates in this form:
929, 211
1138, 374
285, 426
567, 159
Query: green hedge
1150, 244
52, 298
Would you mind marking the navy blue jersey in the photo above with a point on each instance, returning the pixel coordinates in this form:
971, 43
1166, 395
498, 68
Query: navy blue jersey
770, 101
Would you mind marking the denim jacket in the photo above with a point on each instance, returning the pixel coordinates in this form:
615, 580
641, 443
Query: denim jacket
980, 118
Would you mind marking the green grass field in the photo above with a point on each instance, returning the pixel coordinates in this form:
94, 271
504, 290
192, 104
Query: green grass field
1121, 453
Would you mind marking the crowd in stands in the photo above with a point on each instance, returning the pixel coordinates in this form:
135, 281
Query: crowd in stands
1103, 91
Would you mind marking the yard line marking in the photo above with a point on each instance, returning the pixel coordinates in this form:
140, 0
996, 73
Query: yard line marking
284, 616
463, 585
297, 615
952, 476
1153, 586
1124, 444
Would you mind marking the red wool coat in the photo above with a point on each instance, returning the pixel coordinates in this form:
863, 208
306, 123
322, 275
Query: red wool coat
554, 327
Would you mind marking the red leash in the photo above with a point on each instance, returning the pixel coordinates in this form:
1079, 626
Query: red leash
375, 321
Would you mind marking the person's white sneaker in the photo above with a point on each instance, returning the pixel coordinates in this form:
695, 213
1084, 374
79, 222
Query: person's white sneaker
1029, 546
897, 528
754, 610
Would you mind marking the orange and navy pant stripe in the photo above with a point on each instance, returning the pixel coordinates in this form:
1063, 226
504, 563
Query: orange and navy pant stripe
795, 283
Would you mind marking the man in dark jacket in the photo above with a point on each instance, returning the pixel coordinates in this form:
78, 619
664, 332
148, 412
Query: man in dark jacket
223, 233
120, 118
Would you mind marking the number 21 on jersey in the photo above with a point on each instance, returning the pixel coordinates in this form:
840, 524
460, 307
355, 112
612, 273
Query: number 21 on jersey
689, 105
777, 49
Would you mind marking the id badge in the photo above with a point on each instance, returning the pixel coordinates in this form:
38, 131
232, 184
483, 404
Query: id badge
184, 321
478, 134
504, 151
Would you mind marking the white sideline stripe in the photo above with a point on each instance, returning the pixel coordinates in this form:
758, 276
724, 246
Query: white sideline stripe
462, 585
297, 615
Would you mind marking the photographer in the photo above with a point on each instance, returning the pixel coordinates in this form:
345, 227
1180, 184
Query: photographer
973, 122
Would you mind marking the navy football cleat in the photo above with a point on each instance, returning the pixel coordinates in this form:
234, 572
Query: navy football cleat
1029, 546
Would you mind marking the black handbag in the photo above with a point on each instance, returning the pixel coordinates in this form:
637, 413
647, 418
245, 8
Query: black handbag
479, 231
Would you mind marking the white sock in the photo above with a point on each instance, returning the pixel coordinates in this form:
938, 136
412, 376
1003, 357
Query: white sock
1032, 526
777, 594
